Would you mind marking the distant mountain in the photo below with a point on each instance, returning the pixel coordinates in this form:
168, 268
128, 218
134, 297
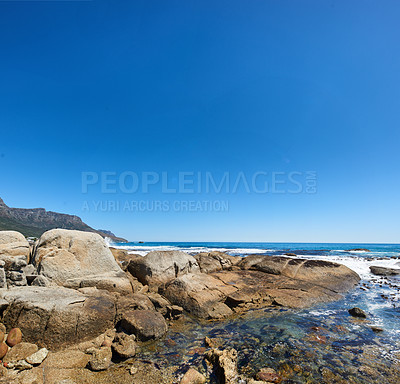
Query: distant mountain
33, 222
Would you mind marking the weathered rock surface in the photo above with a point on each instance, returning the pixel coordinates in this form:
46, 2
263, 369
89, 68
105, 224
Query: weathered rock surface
215, 261
159, 267
76, 259
67, 359
54, 373
134, 301
268, 375
200, 294
123, 257
14, 337
334, 276
56, 317
14, 255
162, 305
124, 345
281, 281
3, 350
101, 359
145, 325
193, 377
382, 271
20, 352
37, 357
224, 364
13, 244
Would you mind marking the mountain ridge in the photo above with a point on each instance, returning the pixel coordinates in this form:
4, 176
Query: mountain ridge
32, 222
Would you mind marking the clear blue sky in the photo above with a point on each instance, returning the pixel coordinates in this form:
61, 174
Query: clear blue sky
206, 86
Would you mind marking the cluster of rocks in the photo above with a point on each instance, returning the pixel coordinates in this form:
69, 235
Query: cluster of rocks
17, 355
70, 292
14, 256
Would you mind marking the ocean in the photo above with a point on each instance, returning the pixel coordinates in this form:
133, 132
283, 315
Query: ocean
322, 344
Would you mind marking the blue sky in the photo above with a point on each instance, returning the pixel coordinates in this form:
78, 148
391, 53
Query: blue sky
210, 87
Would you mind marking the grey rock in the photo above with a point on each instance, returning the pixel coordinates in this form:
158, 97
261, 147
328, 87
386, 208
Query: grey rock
41, 281
30, 270
3, 282
382, 271
16, 275
13, 244
37, 357
159, 267
76, 259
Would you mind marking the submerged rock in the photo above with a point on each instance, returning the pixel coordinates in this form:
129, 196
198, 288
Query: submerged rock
357, 312
193, 377
268, 375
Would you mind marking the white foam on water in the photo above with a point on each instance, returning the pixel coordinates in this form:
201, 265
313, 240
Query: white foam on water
359, 265
144, 249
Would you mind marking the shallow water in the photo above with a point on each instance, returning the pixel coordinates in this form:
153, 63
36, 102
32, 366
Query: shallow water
322, 344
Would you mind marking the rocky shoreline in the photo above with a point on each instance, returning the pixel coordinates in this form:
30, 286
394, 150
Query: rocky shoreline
89, 310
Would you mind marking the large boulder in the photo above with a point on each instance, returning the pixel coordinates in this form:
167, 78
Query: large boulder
159, 267
201, 295
76, 259
295, 283
13, 243
334, 276
56, 317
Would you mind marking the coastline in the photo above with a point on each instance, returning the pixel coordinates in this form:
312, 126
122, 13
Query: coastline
211, 314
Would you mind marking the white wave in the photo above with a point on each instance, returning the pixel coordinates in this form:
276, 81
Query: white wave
108, 241
144, 249
358, 251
